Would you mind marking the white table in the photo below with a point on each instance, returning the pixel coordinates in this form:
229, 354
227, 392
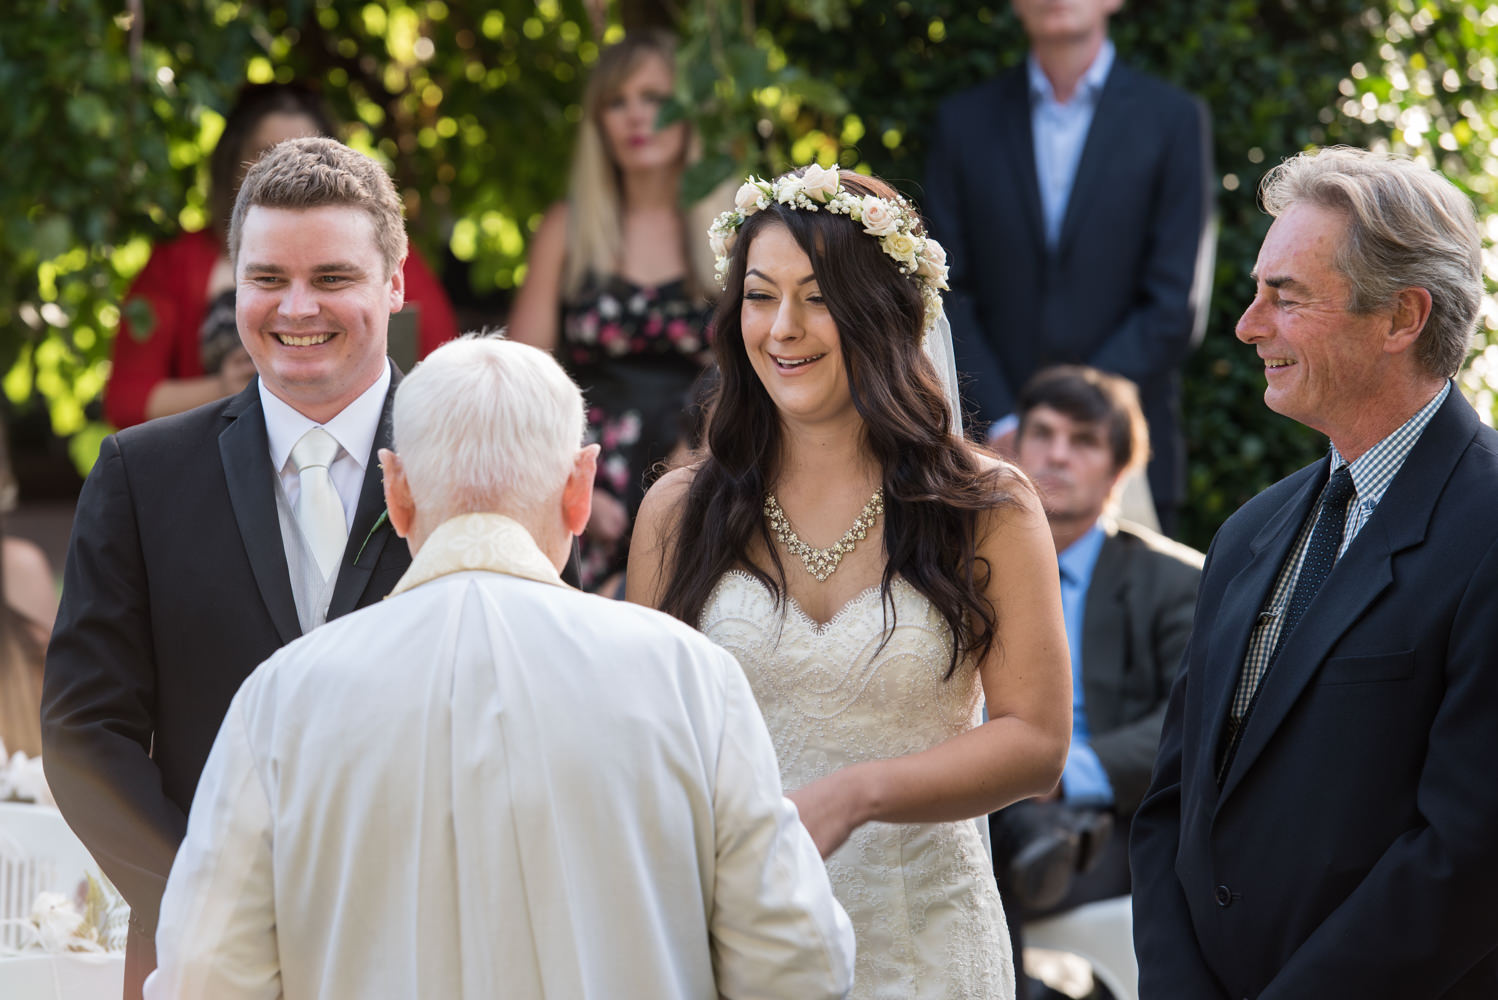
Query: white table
74, 976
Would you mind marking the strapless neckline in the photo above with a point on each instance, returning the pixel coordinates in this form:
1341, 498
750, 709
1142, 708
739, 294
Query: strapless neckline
821, 628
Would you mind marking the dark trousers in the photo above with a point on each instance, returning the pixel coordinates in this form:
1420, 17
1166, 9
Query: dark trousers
140, 959
1107, 879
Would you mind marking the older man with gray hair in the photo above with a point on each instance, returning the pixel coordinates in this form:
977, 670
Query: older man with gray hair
493, 783
1321, 818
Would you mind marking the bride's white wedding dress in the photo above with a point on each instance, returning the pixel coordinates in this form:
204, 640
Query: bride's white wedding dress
921, 895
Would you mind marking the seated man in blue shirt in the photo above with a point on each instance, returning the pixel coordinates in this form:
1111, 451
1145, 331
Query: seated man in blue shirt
1128, 595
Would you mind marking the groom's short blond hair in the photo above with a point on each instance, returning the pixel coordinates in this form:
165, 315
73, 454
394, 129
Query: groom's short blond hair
315, 172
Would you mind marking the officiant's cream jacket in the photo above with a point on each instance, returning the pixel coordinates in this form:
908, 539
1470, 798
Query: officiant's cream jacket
494, 785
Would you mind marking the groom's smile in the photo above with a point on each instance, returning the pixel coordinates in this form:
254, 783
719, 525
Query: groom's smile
313, 304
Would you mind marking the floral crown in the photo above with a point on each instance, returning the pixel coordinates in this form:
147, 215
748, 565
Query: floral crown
892, 222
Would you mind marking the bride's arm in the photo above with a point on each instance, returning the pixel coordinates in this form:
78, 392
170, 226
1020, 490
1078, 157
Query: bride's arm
1026, 678
650, 544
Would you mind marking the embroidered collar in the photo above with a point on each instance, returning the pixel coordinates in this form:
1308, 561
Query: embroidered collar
490, 542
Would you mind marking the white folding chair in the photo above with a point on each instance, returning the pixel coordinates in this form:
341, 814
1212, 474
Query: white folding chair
1103, 934
38, 853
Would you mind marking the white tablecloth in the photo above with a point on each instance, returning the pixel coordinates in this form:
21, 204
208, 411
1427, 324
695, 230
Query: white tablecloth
75, 976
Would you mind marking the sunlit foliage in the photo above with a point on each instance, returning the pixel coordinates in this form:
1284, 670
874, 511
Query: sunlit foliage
473, 106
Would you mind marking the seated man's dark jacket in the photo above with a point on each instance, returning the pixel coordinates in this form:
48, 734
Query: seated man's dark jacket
1352, 850
1137, 623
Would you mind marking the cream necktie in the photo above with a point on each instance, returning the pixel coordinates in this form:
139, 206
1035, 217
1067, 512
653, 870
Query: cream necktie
318, 509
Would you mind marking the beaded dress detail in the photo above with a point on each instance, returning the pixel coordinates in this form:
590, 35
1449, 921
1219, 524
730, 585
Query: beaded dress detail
921, 896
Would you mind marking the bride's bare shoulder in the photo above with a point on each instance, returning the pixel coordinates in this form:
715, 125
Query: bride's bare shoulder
669, 492
1008, 480
654, 534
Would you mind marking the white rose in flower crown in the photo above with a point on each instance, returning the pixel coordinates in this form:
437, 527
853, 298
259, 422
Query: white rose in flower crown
719, 242
819, 183
878, 218
933, 263
788, 188
747, 198
900, 246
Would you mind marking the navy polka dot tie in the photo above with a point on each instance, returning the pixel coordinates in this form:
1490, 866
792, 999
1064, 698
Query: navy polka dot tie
1321, 553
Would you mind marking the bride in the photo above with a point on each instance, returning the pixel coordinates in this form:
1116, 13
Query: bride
876, 576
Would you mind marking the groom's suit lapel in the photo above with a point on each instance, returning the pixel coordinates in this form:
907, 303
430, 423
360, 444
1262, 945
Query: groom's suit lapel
244, 450
363, 550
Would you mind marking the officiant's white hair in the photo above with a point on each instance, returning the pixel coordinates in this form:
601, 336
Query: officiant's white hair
487, 425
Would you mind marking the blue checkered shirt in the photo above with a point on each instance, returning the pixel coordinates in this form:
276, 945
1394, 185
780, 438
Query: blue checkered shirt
1371, 474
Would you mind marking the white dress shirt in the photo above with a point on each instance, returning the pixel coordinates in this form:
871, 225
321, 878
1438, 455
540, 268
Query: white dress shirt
492, 784
353, 428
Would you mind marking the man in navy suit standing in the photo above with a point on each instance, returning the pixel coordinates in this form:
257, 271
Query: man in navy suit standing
1073, 195
1321, 818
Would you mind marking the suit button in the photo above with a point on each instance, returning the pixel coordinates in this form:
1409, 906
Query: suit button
1223, 895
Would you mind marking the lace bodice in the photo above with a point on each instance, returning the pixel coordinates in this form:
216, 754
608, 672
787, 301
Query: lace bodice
921, 896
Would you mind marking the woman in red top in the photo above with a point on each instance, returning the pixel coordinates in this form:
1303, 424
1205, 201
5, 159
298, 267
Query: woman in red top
191, 354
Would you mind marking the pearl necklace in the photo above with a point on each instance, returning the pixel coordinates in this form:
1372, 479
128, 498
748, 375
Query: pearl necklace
821, 563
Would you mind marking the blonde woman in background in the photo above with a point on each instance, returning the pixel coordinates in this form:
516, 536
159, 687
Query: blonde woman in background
617, 283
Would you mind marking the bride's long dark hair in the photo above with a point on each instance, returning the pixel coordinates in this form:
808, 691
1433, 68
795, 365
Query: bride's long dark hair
935, 489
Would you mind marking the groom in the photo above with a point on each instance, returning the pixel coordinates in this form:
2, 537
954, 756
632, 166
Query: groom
492, 777
201, 544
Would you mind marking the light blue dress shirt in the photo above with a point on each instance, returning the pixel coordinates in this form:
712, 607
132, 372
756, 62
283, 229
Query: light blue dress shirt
1060, 132
1083, 782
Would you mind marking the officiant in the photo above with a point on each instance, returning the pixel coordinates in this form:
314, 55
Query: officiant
492, 777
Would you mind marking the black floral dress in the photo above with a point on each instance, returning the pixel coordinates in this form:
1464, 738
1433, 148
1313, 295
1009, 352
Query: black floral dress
635, 351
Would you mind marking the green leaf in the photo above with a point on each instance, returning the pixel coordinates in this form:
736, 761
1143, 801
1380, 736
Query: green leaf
52, 237
700, 178
820, 94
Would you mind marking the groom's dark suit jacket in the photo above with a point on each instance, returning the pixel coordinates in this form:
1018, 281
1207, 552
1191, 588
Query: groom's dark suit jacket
1352, 850
176, 587
1124, 290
